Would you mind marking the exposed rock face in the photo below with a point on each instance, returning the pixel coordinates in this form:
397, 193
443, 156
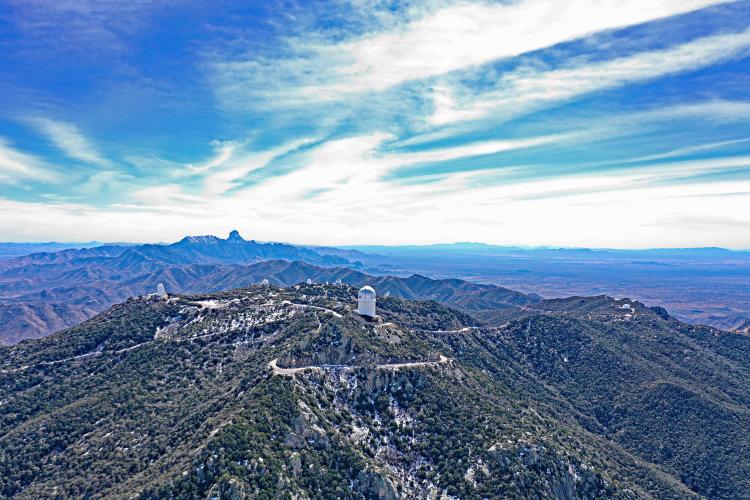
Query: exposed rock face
744, 327
661, 312
372, 485
232, 489
339, 350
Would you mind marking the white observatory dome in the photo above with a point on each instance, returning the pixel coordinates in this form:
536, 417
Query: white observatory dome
366, 301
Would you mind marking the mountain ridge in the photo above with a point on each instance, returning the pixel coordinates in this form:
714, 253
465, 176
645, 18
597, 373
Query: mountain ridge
80, 283
569, 399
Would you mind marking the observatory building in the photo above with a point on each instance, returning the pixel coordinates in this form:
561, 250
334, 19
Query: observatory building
366, 301
265, 282
161, 291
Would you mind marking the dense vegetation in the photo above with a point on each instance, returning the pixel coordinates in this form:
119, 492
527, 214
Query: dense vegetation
579, 399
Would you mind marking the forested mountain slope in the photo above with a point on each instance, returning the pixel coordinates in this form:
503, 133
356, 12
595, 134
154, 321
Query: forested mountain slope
671, 393
272, 392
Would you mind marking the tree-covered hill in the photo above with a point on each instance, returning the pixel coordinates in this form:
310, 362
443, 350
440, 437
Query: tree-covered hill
670, 393
270, 392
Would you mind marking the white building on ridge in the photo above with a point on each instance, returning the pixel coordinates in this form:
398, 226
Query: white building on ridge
366, 302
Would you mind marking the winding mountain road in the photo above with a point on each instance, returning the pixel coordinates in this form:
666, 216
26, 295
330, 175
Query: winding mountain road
277, 370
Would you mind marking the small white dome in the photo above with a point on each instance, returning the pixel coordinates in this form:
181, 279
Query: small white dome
366, 292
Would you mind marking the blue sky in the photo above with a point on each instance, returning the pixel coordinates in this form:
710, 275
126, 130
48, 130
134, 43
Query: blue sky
602, 123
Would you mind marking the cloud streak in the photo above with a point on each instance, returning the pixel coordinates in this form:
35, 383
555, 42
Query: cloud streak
528, 88
69, 139
448, 39
472, 34
16, 166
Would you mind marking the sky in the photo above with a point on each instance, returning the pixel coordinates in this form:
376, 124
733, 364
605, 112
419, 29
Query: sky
594, 123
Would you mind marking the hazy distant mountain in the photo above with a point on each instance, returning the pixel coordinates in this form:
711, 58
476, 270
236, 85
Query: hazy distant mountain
700, 285
45, 292
9, 250
269, 392
232, 250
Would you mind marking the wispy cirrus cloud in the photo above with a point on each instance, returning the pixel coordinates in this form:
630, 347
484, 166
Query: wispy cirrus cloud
451, 38
478, 148
355, 203
391, 122
684, 151
235, 169
16, 166
530, 88
70, 140
224, 152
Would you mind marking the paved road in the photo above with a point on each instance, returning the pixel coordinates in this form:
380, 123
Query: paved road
80, 356
277, 370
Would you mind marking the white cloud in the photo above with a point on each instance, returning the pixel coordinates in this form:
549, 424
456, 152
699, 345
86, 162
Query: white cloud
460, 36
714, 110
478, 149
224, 151
526, 89
337, 193
574, 210
332, 165
237, 169
679, 152
16, 166
599, 127
471, 34
69, 139
350, 169
167, 197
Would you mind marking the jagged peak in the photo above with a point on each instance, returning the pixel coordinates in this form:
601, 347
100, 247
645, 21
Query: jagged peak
234, 235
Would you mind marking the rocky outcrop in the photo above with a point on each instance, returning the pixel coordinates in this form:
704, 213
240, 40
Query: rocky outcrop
373, 485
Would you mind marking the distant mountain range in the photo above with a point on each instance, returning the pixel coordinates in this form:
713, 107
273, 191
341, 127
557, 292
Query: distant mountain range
269, 392
44, 292
10, 250
700, 285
